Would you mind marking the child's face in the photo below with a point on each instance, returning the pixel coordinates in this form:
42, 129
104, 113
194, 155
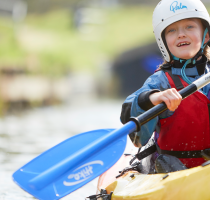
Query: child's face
184, 38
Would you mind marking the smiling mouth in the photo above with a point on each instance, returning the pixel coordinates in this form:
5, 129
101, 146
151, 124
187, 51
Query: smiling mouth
183, 44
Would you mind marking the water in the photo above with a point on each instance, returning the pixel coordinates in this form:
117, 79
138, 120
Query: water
24, 136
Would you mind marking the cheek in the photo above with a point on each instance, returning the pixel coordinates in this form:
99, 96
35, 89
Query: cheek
198, 39
170, 41
171, 47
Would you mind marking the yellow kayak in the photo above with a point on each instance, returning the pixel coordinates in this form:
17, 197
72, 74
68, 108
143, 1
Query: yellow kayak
190, 184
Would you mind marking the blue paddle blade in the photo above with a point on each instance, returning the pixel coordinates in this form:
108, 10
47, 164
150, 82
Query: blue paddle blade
65, 167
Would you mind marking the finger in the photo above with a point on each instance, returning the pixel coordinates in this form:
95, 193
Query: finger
170, 99
174, 97
167, 101
177, 97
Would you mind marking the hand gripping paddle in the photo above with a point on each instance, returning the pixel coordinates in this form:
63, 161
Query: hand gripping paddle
81, 158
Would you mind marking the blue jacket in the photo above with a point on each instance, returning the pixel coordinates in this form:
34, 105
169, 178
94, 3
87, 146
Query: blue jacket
159, 81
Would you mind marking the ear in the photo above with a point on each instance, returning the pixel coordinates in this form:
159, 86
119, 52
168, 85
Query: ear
206, 38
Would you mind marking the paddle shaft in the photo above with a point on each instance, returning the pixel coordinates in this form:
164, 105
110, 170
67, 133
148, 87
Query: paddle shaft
51, 174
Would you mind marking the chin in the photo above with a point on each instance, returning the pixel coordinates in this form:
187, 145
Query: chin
186, 56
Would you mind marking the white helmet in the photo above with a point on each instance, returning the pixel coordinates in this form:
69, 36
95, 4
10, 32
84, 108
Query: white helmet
170, 11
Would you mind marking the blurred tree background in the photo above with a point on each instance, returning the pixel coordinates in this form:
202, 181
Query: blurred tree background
60, 38
54, 39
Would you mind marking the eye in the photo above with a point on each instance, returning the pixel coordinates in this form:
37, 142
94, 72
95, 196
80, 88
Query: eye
189, 26
171, 30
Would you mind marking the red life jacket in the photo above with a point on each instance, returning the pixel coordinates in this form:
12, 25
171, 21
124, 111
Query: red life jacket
188, 128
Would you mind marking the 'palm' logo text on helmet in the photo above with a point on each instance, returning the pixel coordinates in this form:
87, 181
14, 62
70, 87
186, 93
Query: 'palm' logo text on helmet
176, 6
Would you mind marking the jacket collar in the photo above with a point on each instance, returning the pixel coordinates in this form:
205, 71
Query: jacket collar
192, 69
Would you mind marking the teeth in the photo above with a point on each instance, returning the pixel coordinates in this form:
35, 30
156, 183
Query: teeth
183, 43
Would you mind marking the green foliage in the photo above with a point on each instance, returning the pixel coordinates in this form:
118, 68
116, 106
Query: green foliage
10, 51
57, 46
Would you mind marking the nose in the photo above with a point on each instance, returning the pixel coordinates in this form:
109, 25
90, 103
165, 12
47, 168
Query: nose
181, 33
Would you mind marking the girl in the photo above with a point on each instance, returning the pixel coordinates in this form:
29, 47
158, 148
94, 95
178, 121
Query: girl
181, 30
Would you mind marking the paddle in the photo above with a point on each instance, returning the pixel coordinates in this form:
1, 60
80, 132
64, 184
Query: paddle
79, 159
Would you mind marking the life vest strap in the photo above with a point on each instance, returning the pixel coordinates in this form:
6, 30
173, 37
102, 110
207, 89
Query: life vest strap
177, 82
186, 154
143, 154
179, 154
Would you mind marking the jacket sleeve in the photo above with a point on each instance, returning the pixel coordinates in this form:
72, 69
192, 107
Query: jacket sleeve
130, 108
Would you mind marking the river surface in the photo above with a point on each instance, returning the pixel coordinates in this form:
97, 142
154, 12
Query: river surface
26, 135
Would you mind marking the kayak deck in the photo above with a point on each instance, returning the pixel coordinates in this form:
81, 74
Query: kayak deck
192, 184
